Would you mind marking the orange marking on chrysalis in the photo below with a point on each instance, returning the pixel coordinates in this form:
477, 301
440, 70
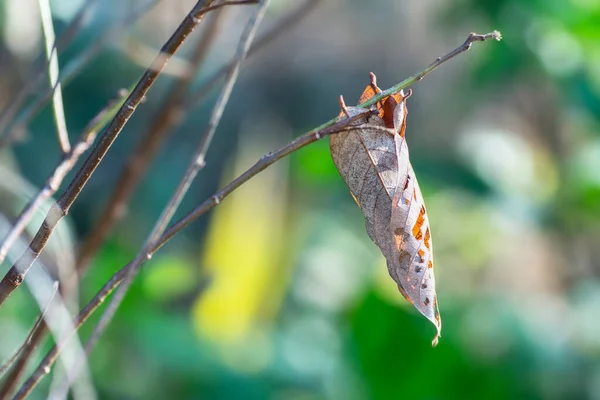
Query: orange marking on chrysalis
427, 237
421, 253
430, 264
416, 230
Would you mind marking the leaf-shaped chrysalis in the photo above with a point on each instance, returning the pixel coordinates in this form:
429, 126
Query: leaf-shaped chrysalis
373, 160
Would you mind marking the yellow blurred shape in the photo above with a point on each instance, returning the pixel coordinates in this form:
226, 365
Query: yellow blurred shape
243, 257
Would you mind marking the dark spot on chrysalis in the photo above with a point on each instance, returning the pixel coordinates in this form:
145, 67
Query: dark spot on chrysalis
404, 259
406, 184
418, 269
426, 301
424, 286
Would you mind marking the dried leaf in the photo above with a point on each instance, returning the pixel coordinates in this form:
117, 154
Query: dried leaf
373, 160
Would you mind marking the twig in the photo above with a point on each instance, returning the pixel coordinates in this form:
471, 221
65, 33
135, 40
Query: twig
52, 183
168, 116
69, 72
57, 100
38, 71
325, 129
55, 179
17, 272
472, 38
149, 144
195, 166
23, 348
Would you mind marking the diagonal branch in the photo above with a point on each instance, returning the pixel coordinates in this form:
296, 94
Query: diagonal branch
30, 337
169, 114
17, 272
334, 126
55, 179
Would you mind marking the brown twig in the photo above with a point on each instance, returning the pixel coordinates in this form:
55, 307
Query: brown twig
161, 126
52, 183
333, 126
39, 321
17, 272
19, 359
166, 119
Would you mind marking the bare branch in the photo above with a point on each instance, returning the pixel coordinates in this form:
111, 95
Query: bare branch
166, 119
17, 272
55, 179
24, 347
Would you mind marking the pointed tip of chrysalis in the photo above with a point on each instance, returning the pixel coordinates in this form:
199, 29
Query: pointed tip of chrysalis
438, 326
435, 340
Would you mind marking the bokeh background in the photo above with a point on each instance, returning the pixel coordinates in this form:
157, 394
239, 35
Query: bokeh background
278, 293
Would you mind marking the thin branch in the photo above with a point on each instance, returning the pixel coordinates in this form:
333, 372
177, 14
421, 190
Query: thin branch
10, 124
167, 120
328, 128
163, 123
57, 100
17, 272
38, 72
192, 171
55, 179
23, 348
86, 139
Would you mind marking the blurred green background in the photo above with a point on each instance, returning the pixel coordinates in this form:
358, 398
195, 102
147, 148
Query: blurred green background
278, 293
